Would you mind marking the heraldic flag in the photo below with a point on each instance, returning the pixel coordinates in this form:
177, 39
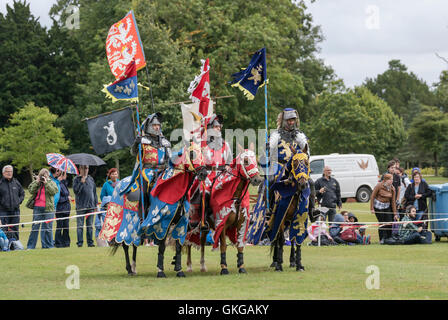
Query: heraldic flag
125, 87
253, 77
112, 131
123, 44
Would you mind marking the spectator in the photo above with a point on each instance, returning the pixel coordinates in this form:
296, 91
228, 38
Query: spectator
62, 235
382, 204
86, 202
42, 191
11, 196
105, 196
396, 179
404, 183
409, 233
318, 230
328, 193
4, 242
336, 228
417, 193
360, 237
54, 175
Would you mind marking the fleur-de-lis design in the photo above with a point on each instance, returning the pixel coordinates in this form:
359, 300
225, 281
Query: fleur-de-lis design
118, 89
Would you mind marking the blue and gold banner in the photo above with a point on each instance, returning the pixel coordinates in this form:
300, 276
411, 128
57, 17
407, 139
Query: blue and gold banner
253, 77
125, 87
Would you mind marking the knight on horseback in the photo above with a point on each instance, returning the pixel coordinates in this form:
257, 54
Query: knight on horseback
288, 186
217, 155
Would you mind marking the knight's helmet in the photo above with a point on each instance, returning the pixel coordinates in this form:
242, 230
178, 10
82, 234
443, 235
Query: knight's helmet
215, 120
284, 116
155, 118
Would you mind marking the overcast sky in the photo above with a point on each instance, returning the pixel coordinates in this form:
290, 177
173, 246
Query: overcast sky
361, 36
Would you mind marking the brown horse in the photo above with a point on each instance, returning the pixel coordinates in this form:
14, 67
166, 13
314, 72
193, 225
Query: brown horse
229, 202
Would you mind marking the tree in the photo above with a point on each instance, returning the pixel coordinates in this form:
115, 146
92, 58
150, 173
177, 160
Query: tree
399, 88
29, 137
429, 132
355, 121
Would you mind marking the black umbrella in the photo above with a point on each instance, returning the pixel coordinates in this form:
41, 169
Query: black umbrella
86, 159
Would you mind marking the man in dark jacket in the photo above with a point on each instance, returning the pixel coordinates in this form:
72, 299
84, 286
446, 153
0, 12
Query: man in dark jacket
11, 196
328, 193
86, 201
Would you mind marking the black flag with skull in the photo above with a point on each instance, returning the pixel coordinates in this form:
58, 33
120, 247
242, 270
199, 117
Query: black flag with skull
112, 131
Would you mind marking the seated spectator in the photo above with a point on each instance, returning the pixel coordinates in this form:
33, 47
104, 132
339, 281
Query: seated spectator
317, 230
336, 227
4, 242
409, 232
358, 234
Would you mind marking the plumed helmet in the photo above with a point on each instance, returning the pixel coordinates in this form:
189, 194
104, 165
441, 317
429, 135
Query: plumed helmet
284, 116
155, 118
215, 120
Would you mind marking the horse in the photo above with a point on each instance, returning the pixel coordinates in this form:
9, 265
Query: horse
229, 203
167, 214
122, 222
292, 191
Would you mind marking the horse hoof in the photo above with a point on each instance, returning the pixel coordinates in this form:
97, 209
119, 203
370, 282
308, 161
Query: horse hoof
300, 268
279, 268
131, 274
242, 270
180, 274
224, 271
273, 265
189, 269
292, 265
161, 274
204, 269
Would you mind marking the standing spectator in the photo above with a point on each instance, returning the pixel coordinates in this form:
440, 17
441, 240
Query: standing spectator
382, 204
62, 235
105, 196
404, 183
11, 196
42, 191
395, 179
417, 193
328, 193
86, 202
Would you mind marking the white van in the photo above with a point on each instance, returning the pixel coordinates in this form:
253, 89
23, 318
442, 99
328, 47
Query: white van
357, 174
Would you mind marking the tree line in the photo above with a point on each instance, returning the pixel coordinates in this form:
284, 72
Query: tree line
64, 70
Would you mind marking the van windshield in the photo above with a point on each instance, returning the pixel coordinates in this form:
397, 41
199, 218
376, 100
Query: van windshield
317, 166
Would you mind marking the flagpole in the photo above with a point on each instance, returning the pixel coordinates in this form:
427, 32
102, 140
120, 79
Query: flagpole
266, 145
140, 160
150, 88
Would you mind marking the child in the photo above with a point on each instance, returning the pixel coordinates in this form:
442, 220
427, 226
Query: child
361, 238
319, 229
4, 242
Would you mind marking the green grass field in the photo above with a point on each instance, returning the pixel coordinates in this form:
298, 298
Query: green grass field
339, 272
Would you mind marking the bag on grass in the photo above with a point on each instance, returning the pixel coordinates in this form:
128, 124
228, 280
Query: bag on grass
349, 235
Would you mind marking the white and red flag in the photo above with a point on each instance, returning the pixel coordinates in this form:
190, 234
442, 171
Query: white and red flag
200, 88
123, 45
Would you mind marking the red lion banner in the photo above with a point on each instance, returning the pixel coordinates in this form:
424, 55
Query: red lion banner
123, 45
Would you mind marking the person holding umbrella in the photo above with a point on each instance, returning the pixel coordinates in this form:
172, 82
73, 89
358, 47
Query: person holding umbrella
86, 199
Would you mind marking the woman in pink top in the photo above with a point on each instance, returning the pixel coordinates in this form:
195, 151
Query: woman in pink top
42, 191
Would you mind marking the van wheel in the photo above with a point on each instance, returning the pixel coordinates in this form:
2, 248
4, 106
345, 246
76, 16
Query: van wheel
363, 194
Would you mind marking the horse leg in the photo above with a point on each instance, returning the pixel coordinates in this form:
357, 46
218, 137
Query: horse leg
240, 260
126, 255
292, 256
189, 265
160, 256
223, 247
134, 260
299, 266
202, 261
275, 254
280, 243
178, 261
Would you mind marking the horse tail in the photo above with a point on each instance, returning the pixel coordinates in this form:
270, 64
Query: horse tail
114, 247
